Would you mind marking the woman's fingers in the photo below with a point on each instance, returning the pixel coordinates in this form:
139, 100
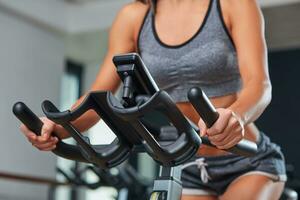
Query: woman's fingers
51, 144
217, 139
231, 143
202, 127
29, 134
47, 129
227, 131
50, 148
231, 129
45, 141
32, 138
40, 140
220, 125
229, 138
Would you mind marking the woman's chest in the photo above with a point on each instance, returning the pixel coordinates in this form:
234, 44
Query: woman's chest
208, 62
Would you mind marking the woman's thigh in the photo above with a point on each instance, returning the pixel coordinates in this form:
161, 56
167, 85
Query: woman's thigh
198, 197
253, 187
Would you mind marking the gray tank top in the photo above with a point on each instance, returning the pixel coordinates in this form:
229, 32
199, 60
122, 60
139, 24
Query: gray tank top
207, 60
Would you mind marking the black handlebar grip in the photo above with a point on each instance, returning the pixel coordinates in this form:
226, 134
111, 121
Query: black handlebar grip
32, 122
203, 106
27, 117
209, 115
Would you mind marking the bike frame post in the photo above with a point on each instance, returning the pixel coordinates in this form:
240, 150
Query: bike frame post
168, 184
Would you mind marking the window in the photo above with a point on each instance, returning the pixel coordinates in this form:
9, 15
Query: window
70, 91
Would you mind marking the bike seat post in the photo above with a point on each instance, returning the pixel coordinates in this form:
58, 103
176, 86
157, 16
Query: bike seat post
168, 184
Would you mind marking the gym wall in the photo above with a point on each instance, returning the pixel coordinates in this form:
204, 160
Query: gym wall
280, 121
31, 65
283, 27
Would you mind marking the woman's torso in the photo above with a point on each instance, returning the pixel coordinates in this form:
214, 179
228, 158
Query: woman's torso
165, 29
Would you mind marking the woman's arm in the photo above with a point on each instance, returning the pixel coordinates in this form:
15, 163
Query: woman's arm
247, 31
121, 40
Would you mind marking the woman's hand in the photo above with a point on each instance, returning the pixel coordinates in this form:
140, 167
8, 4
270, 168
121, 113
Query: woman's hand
45, 142
226, 132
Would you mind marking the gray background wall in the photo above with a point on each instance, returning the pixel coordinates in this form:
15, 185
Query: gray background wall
31, 64
283, 26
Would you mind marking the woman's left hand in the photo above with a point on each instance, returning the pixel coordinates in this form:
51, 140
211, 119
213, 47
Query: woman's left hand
226, 132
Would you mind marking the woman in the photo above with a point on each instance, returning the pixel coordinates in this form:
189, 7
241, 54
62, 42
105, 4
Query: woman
218, 45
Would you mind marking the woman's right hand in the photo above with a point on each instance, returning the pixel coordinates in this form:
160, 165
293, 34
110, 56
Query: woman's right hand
44, 142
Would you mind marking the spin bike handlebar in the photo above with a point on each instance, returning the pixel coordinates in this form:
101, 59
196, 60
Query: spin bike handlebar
209, 115
104, 156
140, 97
33, 123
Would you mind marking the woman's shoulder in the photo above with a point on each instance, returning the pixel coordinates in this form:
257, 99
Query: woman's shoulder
129, 20
133, 12
233, 7
238, 3
136, 7
234, 10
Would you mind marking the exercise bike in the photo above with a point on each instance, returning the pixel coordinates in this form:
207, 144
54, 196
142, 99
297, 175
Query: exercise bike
170, 142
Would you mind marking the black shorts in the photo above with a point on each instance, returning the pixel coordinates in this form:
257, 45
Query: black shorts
212, 175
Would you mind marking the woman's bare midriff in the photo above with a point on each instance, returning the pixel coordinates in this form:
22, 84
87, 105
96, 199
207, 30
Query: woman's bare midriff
251, 131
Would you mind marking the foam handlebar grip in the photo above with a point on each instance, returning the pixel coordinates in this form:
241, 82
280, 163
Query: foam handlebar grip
32, 122
27, 117
209, 115
203, 106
